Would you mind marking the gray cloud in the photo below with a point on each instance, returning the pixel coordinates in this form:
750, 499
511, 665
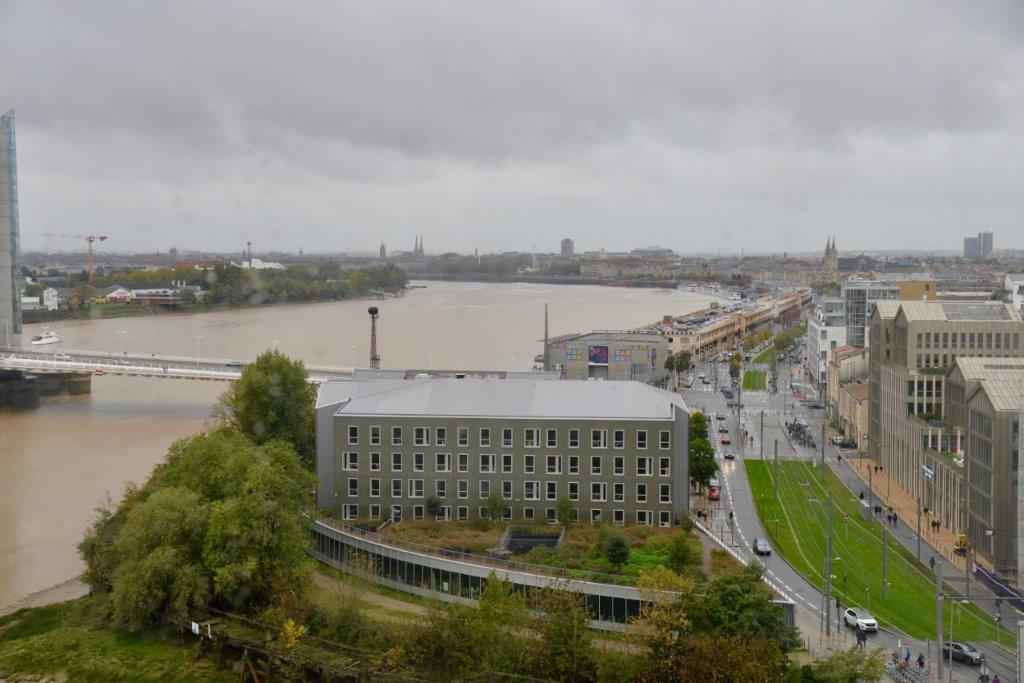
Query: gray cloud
500, 125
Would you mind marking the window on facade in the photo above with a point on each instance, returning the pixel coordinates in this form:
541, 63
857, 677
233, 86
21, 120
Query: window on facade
350, 461
415, 488
374, 436
551, 516
463, 462
441, 436
641, 493
574, 490
396, 436
443, 462
463, 436
531, 438
665, 518
552, 438
644, 518
487, 463
375, 462
420, 436
506, 463
485, 488
599, 438
463, 513
350, 511
463, 488
528, 467
353, 435
396, 488
531, 490
595, 464
441, 488
644, 467
417, 512
375, 512
619, 465
595, 515
528, 513
664, 439
353, 486
396, 462
598, 492
664, 466
618, 517
506, 437
506, 489
619, 438
574, 438
574, 464
641, 438
375, 488
485, 437
417, 462
554, 464
618, 492
551, 490
665, 493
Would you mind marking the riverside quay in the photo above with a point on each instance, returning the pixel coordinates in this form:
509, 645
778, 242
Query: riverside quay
616, 450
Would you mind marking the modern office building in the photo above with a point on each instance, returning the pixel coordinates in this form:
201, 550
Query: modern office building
616, 450
568, 248
916, 434
10, 268
860, 297
979, 248
826, 332
612, 355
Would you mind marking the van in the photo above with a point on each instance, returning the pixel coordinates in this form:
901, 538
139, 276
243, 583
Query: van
713, 483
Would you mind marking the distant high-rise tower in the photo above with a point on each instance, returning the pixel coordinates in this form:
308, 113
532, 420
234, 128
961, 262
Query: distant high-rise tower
568, 248
383, 251
831, 260
979, 247
10, 267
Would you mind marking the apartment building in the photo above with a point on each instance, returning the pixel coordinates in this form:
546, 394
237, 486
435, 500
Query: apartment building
848, 364
912, 349
616, 450
826, 332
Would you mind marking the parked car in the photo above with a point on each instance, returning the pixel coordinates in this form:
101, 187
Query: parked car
727, 393
719, 416
723, 428
725, 440
848, 443
706, 381
730, 455
860, 619
713, 493
963, 652
762, 547
838, 439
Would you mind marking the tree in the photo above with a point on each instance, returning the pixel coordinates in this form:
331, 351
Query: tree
616, 550
684, 361
702, 469
564, 511
850, 666
670, 362
494, 506
566, 649
684, 552
698, 426
701, 447
273, 400
715, 658
433, 506
735, 364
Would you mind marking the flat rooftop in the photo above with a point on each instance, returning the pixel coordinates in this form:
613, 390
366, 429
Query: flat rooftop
492, 397
973, 311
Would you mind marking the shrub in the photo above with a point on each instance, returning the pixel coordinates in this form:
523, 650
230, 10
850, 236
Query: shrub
617, 551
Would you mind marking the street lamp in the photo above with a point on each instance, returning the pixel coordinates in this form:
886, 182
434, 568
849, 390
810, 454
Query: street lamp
197, 338
122, 333
353, 350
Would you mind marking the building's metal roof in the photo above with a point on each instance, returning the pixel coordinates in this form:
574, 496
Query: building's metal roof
974, 311
978, 368
1004, 394
887, 308
492, 397
363, 375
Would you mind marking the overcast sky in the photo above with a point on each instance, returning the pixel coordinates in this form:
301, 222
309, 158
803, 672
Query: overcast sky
500, 125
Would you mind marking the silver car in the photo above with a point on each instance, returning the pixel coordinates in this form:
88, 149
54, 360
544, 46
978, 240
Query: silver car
860, 619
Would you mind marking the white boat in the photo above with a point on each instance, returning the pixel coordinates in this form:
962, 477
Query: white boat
48, 337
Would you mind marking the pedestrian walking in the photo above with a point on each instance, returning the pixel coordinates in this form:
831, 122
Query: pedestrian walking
920, 660
995, 678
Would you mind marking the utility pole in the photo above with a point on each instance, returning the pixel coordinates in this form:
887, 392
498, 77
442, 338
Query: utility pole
871, 492
762, 435
823, 451
919, 528
828, 571
885, 562
938, 616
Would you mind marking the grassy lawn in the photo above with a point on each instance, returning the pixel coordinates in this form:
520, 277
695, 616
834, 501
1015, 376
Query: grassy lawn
58, 642
799, 536
754, 380
766, 355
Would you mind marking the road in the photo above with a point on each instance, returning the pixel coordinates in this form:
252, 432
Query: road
746, 525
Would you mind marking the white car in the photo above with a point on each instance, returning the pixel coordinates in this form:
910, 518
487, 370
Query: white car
860, 619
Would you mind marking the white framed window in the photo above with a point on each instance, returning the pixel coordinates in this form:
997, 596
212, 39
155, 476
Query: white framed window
485, 489
574, 464
665, 439
506, 489
396, 436
599, 438
463, 462
595, 464
485, 437
420, 436
618, 492
531, 490
619, 517
350, 511
463, 488
442, 462
551, 490
353, 486
506, 463
463, 513
353, 435
487, 463
350, 461
598, 492
463, 436
528, 464
417, 512
506, 437
644, 518
619, 465
619, 438
574, 490
641, 439
375, 511
664, 518
665, 493
441, 436
374, 489
641, 493
554, 464
415, 488
375, 462
446, 513
664, 466
375, 436
440, 488
552, 438
507, 513
645, 466
551, 516
528, 513
417, 462
396, 462
574, 438
396, 488
396, 513
595, 515
531, 438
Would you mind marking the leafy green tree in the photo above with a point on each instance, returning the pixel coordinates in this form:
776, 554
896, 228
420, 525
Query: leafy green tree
564, 511
273, 400
702, 469
850, 666
735, 364
494, 506
684, 552
698, 426
433, 506
565, 650
670, 362
616, 550
684, 361
701, 447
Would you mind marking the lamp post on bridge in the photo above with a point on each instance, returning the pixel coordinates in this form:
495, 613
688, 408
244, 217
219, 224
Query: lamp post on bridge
197, 338
122, 333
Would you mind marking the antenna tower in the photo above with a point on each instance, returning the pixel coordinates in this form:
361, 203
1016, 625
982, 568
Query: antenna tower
374, 358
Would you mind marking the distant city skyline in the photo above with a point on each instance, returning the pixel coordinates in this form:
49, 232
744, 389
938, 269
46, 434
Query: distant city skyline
498, 126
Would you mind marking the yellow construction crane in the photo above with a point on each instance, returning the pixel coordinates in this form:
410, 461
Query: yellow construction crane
88, 238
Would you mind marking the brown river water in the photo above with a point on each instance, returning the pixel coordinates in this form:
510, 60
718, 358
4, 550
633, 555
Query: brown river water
57, 463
